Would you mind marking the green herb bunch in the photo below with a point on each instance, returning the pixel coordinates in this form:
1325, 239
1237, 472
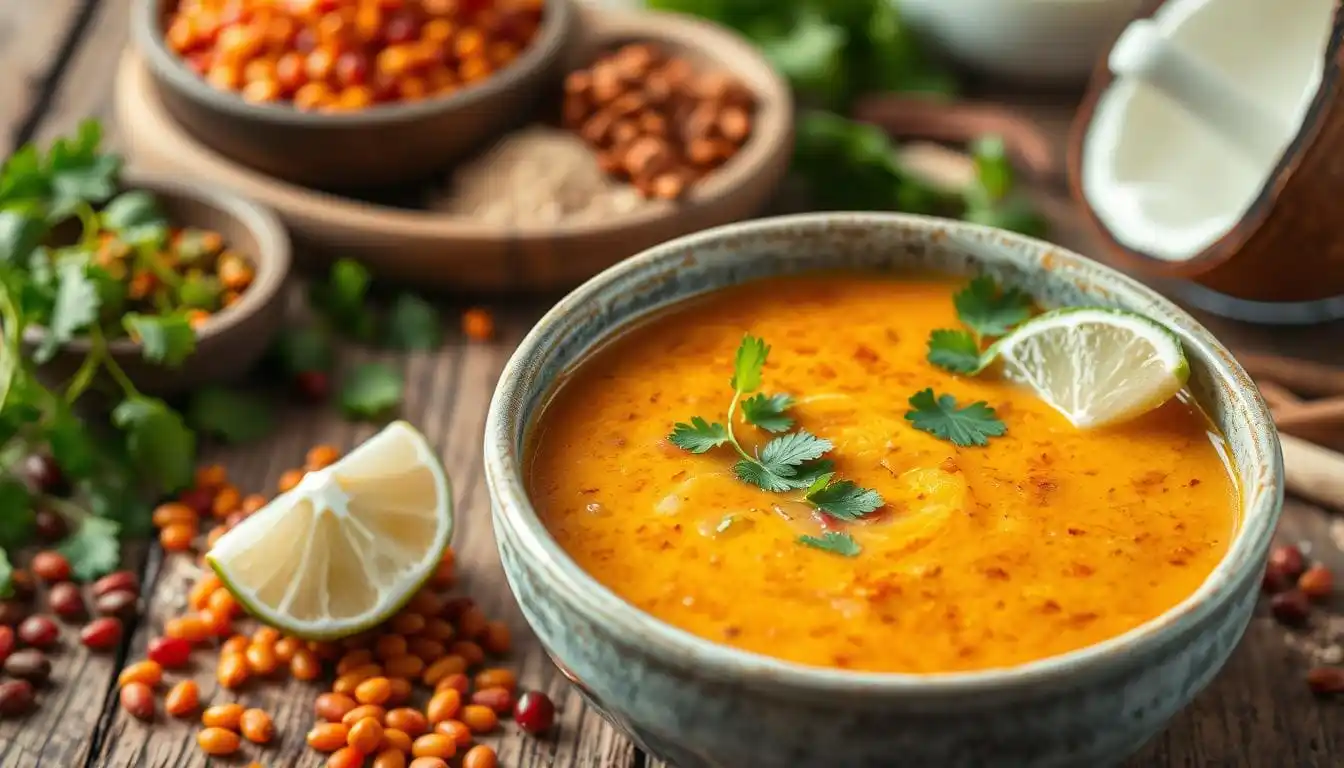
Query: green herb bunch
49, 458
791, 462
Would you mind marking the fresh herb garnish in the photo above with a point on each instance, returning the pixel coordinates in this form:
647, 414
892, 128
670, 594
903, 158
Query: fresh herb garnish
790, 462
232, 415
988, 312
341, 299
837, 543
371, 390
413, 324
971, 425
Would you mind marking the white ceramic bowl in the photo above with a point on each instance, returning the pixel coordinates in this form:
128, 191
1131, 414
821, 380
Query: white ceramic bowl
1032, 42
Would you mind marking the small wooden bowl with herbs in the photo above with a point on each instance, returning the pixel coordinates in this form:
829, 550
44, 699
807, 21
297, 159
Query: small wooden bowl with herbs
151, 285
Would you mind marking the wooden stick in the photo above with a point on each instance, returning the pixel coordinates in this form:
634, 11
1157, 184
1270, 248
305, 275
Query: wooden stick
1306, 377
1327, 412
1313, 472
1277, 396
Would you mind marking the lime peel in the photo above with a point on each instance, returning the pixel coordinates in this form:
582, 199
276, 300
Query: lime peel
1095, 366
349, 546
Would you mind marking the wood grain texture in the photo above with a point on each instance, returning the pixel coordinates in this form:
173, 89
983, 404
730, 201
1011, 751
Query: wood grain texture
60, 732
31, 40
84, 89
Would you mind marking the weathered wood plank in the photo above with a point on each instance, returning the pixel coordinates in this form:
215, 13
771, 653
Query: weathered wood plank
31, 37
447, 395
86, 89
60, 732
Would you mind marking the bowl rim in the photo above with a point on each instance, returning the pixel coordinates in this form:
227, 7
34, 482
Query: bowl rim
772, 136
678, 648
552, 36
272, 261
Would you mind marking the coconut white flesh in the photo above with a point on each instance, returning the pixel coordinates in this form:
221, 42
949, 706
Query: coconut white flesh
1164, 182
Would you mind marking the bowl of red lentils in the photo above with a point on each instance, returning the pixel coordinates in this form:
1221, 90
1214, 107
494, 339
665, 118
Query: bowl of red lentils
217, 272
346, 94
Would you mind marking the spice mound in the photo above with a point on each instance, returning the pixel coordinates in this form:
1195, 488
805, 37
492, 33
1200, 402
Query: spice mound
346, 55
655, 120
537, 176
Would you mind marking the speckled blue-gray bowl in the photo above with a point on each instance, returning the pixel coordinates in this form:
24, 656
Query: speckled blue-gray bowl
701, 705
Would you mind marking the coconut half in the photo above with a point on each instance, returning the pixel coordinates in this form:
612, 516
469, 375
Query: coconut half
1195, 152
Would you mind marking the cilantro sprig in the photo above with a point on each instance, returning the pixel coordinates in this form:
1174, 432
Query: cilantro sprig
792, 461
987, 311
970, 425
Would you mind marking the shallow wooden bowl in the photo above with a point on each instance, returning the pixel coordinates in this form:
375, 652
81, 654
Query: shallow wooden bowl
385, 144
445, 251
235, 338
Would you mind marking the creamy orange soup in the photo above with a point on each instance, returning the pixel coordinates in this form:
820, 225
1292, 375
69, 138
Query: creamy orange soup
1046, 540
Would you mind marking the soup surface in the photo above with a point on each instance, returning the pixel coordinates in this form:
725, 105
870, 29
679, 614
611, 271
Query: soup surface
1046, 540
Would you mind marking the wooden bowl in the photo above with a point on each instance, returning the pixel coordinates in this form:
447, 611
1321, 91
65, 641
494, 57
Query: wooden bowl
236, 337
385, 144
1288, 245
445, 251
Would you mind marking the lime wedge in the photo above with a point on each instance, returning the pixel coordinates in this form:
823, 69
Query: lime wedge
348, 546
1094, 366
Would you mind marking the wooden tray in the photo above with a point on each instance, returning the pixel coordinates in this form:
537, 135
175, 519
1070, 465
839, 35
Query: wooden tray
439, 250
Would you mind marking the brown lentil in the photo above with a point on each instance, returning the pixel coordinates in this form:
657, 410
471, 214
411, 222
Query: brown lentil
65, 600
455, 730
1316, 582
119, 602
182, 699
479, 719
228, 716
218, 742
333, 707
327, 737
28, 664
138, 700
16, 698
1325, 681
364, 711
480, 756
50, 566
39, 632
498, 699
147, 672
114, 581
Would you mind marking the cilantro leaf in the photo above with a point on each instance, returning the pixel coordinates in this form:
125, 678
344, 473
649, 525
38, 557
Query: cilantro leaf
136, 218
20, 233
371, 390
955, 351
413, 323
195, 247
757, 474
812, 472
747, 365
75, 309
71, 446
79, 172
940, 417
767, 412
304, 350
165, 339
6, 575
161, 447
836, 543
93, 549
783, 455
23, 177
987, 311
993, 171
843, 499
232, 415
341, 299
200, 292
698, 436
16, 513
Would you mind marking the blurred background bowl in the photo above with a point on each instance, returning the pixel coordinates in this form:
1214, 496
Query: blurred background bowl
233, 339
380, 145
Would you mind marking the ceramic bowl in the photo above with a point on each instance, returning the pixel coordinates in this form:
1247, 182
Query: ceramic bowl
385, 144
1052, 43
461, 253
701, 705
235, 338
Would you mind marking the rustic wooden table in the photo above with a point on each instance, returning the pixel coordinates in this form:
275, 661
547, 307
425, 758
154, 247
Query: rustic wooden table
58, 57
